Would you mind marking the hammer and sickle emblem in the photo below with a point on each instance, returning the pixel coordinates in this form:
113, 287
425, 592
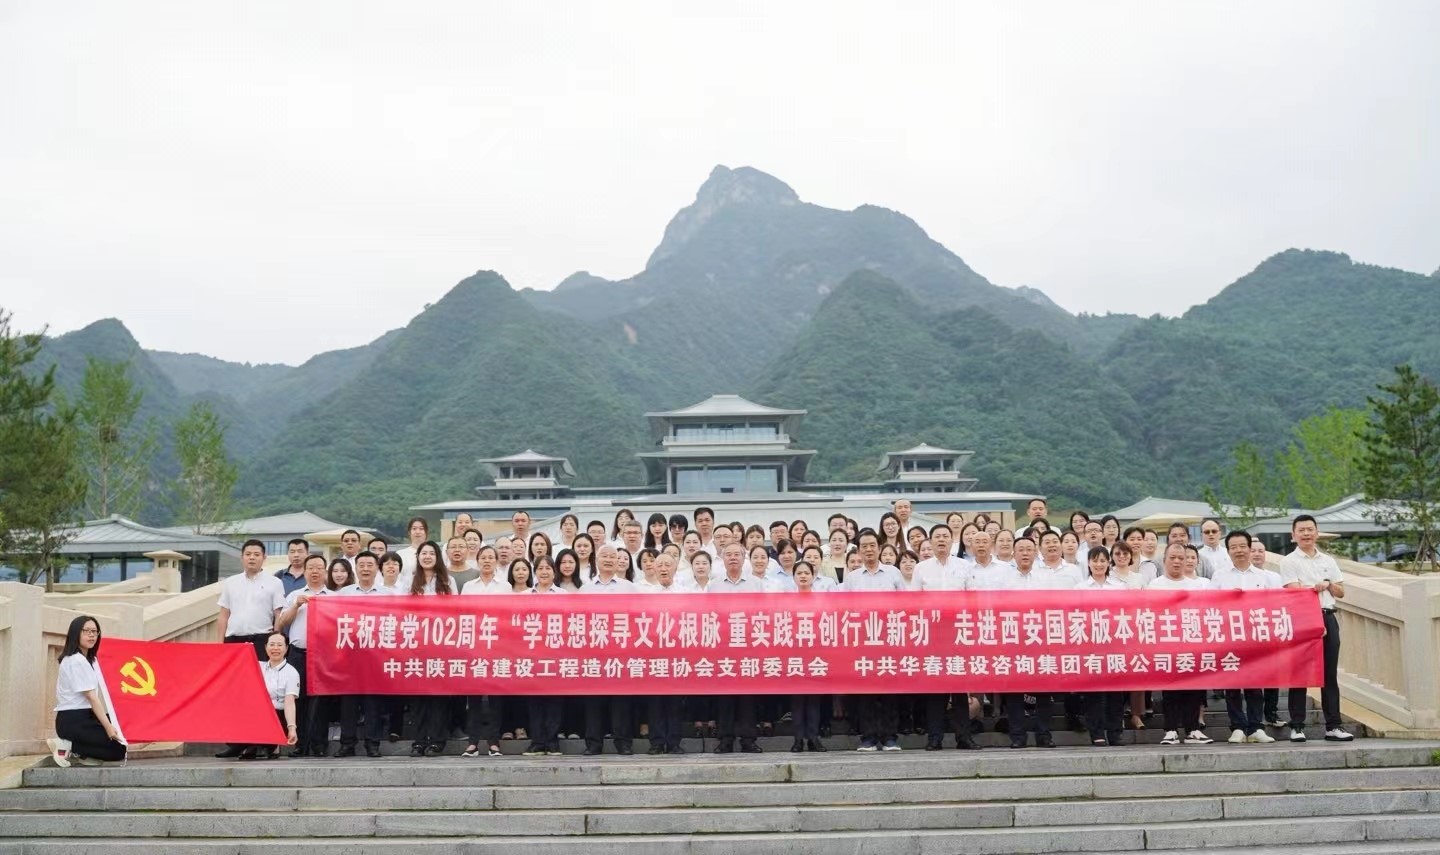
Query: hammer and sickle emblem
143, 685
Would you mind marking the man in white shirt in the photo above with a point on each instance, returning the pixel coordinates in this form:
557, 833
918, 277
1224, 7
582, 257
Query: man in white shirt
735, 714
664, 710
1307, 567
349, 545
1246, 707
488, 580
1091, 537
1052, 570
250, 603
355, 707
1213, 556
1025, 711
903, 510
520, 528
608, 713
986, 572
1182, 706
1035, 509
705, 525
291, 621
877, 712
944, 572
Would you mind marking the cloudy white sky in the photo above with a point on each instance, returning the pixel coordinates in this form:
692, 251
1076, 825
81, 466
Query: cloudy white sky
263, 181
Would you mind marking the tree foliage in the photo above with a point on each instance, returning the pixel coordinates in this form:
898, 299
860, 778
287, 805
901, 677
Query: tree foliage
117, 454
1252, 488
42, 484
204, 490
1322, 461
1401, 460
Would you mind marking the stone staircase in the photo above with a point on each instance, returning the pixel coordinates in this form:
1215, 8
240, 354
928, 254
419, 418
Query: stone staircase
1369, 796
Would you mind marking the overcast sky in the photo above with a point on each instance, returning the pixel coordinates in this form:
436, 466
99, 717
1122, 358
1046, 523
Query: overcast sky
263, 181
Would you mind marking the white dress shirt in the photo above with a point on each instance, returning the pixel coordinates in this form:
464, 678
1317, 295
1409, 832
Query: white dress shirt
252, 601
1309, 570
296, 630
885, 577
478, 585
1251, 578
616, 585
1184, 583
935, 576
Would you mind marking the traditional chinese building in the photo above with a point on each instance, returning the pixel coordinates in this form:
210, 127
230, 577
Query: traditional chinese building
736, 456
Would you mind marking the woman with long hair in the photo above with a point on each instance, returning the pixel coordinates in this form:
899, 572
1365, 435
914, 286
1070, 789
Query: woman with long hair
805, 709
569, 527
657, 532
567, 570
432, 712
1103, 710
623, 516
86, 731
836, 550
890, 531
1109, 530
545, 710
340, 574
540, 545
584, 547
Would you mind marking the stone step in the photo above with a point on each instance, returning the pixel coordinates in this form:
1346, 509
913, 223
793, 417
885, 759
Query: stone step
637, 796
1386, 832
741, 768
746, 820
1218, 729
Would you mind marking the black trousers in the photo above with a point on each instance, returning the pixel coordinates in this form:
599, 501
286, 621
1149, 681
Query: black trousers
607, 713
1330, 692
482, 720
735, 715
309, 732
938, 718
1037, 719
1246, 708
372, 709
432, 719
1272, 704
805, 714
258, 642
545, 722
87, 736
1182, 709
877, 717
664, 715
1104, 714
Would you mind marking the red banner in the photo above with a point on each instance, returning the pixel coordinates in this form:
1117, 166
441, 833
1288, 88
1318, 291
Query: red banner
175, 692
832, 643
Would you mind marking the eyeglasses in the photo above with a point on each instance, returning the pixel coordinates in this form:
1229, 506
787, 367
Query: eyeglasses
1209, 531
89, 632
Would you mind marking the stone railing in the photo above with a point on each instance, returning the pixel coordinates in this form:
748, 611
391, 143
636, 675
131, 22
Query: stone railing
33, 625
1390, 646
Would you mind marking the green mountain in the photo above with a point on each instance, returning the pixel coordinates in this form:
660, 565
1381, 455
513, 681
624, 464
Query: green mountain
1039, 417
884, 335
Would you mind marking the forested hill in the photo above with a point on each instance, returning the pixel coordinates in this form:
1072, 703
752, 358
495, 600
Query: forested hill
885, 336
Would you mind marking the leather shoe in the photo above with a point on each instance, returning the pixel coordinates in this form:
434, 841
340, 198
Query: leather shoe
798, 746
750, 748
372, 751
676, 750
590, 751
232, 751
625, 752
346, 751
816, 745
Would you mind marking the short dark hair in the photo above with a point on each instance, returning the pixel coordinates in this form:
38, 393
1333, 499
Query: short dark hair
253, 542
367, 554
374, 540
72, 638
704, 510
1179, 525
298, 541
780, 523
679, 521
1303, 518
833, 517
349, 531
1028, 539
411, 524
1036, 499
1240, 533
937, 526
1125, 535
860, 535
1049, 532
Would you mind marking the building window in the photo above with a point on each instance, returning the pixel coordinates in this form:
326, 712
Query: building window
723, 432
726, 479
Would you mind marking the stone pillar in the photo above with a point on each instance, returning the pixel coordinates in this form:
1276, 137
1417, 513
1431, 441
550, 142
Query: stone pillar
22, 669
165, 577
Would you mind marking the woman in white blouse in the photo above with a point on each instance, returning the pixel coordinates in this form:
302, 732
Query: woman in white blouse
282, 681
86, 731
1103, 710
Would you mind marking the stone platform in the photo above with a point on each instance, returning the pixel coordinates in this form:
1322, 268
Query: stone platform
1368, 796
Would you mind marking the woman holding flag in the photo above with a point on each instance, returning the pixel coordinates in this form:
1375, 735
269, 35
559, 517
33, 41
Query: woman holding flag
86, 731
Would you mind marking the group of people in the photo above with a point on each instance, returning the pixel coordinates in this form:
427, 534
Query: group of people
695, 555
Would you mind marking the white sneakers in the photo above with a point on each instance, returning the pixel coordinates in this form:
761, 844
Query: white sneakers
1338, 735
1237, 736
1170, 738
59, 751
1259, 736
1197, 736
1297, 734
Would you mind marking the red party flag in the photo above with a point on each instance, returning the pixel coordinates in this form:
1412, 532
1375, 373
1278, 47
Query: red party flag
168, 691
